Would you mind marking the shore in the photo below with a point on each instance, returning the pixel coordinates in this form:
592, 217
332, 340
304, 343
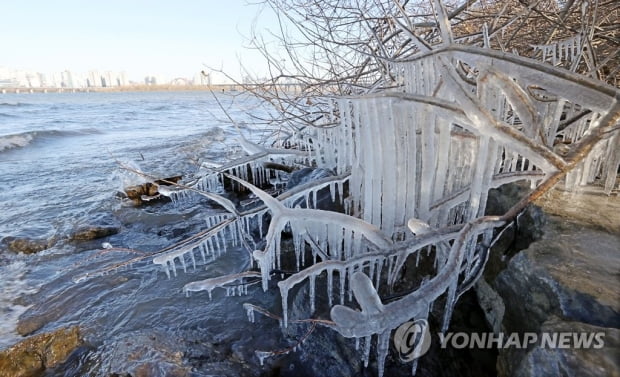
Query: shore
128, 88
143, 88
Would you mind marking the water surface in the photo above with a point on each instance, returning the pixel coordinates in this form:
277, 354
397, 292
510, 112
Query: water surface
59, 170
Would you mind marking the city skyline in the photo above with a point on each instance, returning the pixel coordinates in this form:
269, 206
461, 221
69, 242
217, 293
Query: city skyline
141, 38
96, 78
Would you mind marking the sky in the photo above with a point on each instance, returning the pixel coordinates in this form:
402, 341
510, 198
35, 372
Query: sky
155, 37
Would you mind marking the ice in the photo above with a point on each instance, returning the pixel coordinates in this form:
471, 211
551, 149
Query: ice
315, 222
376, 318
343, 268
567, 50
418, 160
366, 350
210, 284
383, 347
262, 355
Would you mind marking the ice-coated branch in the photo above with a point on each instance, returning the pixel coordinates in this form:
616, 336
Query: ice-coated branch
502, 133
254, 149
518, 98
316, 222
444, 23
375, 318
210, 284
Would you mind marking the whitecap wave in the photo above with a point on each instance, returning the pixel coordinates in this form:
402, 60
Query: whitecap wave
23, 139
15, 141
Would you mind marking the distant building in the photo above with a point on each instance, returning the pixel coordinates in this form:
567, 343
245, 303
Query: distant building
93, 79
66, 80
109, 79
123, 81
7, 83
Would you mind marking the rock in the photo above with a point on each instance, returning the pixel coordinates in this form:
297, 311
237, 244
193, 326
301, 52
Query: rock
27, 245
542, 361
520, 234
97, 226
530, 222
276, 166
306, 175
35, 354
145, 353
325, 352
135, 192
590, 208
149, 190
565, 281
93, 232
563, 274
491, 304
28, 325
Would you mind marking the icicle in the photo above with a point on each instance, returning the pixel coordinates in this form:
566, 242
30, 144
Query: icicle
371, 270
202, 253
366, 350
391, 265
379, 263
264, 263
218, 247
342, 275
330, 284
250, 312
350, 271
174, 267
284, 294
314, 199
383, 346
312, 294
348, 237
450, 303
262, 355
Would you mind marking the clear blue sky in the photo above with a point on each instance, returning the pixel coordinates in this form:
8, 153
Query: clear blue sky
173, 38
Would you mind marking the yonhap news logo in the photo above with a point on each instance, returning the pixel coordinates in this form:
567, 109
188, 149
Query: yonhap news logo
413, 339
548, 340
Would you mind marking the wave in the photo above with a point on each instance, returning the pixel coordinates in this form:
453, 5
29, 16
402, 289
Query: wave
159, 108
5, 115
23, 139
15, 104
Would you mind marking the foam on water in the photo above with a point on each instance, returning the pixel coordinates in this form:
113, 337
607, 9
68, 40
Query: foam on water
12, 285
15, 141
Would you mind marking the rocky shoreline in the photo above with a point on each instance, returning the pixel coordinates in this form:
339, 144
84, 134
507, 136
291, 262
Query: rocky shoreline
556, 272
566, 281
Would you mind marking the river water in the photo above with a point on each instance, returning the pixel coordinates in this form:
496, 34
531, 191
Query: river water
59, 170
